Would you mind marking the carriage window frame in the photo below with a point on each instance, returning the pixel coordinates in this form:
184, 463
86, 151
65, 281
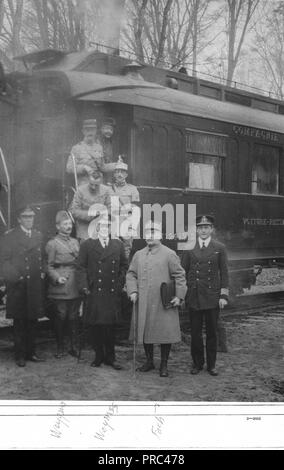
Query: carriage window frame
210, 150
255, 180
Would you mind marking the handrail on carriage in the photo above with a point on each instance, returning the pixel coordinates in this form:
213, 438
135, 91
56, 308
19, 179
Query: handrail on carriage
8, 187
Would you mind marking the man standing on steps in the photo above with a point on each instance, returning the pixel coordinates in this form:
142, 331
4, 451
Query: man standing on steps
87, 156
22, 270
88, 195
206, 268
150, 267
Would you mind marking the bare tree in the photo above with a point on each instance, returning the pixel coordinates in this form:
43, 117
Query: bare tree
239, 18
161, 31
269, 47
55, 23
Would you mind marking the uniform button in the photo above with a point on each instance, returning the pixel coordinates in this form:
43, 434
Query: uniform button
197, 272
209, 287
112, 280
112, 271
100, 280
28, 277
100, 270
209, 262
99, 288
197, 279
209, 270
209, 278
112, 290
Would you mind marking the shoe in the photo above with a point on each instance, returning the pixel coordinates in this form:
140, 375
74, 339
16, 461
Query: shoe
35, 358
212, 372
73, 353
164, 370
146, 367
115, 365
96, 363
59, 353
21, 362
195, 370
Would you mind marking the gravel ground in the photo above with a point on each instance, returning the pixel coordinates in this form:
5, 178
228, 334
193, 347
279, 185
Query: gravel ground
252, 370
270, 280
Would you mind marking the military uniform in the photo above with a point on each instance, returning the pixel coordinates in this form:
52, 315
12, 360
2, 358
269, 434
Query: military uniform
22, 270
127, 194
102, 272
62, 252
206, 269
85, 155
83, 199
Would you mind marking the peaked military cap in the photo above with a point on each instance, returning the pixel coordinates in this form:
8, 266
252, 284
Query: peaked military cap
96, 174
108, 121
120, 165
26, 210
62, 215
151, 225
205, 220
90, 123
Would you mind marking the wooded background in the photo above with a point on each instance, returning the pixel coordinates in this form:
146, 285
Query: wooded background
236, 42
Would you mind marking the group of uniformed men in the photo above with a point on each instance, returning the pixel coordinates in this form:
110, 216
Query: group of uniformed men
96, 267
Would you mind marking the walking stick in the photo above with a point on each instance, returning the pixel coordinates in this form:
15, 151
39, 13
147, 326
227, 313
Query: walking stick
134, 337
82, 326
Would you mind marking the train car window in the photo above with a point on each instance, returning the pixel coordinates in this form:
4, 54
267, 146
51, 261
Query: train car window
265, 170
204, 172
205, 160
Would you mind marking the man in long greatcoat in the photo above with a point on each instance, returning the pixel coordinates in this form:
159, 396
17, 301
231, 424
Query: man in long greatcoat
206, 268
150, 267
22, 270
101, 272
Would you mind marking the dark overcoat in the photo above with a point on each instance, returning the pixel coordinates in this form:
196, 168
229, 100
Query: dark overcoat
22, 270
102, 271
207, 275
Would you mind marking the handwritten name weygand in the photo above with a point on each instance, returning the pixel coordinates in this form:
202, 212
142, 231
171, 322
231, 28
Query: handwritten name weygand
61, 420
106, 426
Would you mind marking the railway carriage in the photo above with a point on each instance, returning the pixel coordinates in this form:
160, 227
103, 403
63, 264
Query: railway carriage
186, 141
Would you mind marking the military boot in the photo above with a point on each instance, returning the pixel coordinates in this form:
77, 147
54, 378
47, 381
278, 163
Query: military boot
149, 364
72, 338
165, 351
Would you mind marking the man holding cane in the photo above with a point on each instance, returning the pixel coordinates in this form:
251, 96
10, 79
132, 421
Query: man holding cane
150, 267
